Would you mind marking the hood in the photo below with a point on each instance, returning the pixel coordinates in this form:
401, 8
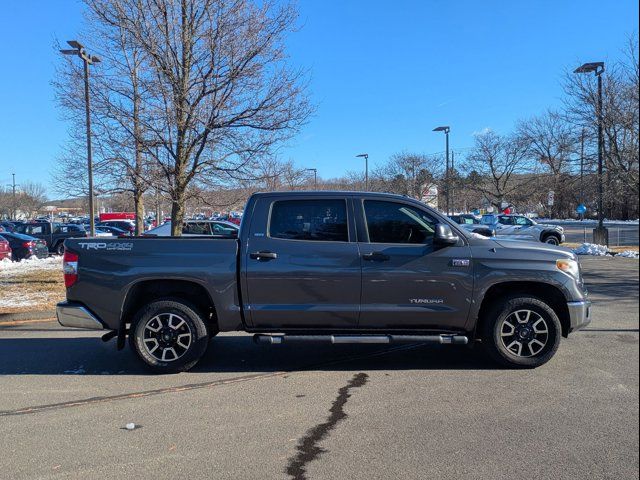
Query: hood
533, 247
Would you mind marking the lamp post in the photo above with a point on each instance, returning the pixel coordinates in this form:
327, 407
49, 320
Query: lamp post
366, 169
15, 204
600, 234
78, 50
315, 176
446, 131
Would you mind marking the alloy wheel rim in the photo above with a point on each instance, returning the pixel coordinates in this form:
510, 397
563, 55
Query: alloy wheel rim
167, 337
524, 333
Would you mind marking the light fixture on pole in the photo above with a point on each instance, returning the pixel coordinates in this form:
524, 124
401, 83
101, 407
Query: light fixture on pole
79, 50
600, 234
446, 131
315, 176
366, 169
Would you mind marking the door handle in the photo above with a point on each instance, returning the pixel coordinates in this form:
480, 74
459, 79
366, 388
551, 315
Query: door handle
375, 257
263, 256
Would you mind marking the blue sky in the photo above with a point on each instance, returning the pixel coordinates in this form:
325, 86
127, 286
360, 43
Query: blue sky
383, 74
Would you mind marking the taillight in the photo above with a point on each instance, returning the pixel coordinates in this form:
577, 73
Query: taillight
70, 268
30, 244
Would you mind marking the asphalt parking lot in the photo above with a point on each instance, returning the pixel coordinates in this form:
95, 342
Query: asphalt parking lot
327, 412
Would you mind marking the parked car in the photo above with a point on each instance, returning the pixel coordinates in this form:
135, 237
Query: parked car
327, 266
519, 227
5, 248
465, 219
112, 231
25, 246
127, 225
6, 226
53, 234
192, 228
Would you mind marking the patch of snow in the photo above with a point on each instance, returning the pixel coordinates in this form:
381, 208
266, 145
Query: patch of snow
8, 267
628, 254
591, 249
24, 299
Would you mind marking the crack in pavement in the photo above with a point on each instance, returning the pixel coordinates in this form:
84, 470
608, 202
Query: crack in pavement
308, 448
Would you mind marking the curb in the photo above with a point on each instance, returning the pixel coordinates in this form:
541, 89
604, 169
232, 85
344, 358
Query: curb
13, 317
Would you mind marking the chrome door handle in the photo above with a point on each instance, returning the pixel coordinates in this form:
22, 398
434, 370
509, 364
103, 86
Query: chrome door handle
375, 257
263, 256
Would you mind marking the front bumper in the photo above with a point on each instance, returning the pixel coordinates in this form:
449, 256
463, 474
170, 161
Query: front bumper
76, 316
579, 314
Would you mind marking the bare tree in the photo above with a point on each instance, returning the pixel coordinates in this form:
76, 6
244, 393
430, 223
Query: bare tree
222, 95
406, 173
551, 142
495, 166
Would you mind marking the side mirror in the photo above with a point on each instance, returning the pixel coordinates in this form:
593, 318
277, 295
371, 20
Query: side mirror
444, 235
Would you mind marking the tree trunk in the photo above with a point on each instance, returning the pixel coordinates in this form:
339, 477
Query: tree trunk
138, 202
177, 213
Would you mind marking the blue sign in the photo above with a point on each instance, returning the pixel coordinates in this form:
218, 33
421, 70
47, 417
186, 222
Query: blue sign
581, 209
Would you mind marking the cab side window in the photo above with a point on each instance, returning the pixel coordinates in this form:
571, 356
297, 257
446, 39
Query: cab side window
392, 222
316, 220
524, 221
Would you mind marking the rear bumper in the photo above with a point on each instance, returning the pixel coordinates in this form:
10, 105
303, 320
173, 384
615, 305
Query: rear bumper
77, 316
579, 314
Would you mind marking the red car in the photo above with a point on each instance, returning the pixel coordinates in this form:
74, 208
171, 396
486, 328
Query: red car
5, 249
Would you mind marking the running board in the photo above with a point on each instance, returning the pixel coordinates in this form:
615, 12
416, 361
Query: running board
379, 339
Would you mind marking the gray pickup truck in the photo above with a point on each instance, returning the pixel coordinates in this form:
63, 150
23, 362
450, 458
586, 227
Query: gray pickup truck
342, 267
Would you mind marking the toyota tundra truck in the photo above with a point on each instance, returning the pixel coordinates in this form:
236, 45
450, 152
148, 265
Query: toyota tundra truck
340, 267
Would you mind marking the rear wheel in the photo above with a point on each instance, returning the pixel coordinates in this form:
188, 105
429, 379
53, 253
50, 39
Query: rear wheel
60, 248
521, 331
169, 336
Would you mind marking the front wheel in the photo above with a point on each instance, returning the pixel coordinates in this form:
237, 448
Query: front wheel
60, 248
552, 240
521, 331
169, 336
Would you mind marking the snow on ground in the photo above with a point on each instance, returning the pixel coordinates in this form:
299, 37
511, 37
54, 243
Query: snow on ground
27, 299
586, 222
601, 251
591, 249
628, 254
9, 268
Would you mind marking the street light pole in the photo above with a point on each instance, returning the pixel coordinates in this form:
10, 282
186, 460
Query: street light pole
446, 131
13, 186
600, 234
315, 177
78, 49
366, 169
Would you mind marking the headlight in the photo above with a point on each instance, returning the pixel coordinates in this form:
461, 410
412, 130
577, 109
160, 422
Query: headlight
569, 266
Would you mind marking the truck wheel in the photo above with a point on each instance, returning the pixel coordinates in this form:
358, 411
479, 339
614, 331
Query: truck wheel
169, 336
521, 331
551, 240
60, 248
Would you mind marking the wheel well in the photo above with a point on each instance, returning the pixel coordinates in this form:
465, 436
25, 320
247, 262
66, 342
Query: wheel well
148, 291
549, 234
549, 294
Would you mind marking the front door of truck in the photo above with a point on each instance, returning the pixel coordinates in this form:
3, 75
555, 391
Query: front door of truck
407, 281
301, 265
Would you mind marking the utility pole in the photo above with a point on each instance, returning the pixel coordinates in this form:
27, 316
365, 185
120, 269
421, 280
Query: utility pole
78, 50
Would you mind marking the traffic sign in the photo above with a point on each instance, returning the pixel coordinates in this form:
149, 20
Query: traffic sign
581, 209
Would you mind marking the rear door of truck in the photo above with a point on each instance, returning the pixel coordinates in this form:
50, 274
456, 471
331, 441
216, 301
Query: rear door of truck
301, 263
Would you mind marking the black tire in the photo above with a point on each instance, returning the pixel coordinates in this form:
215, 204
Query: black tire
60, 248
496, 343
551, 239
166, 311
